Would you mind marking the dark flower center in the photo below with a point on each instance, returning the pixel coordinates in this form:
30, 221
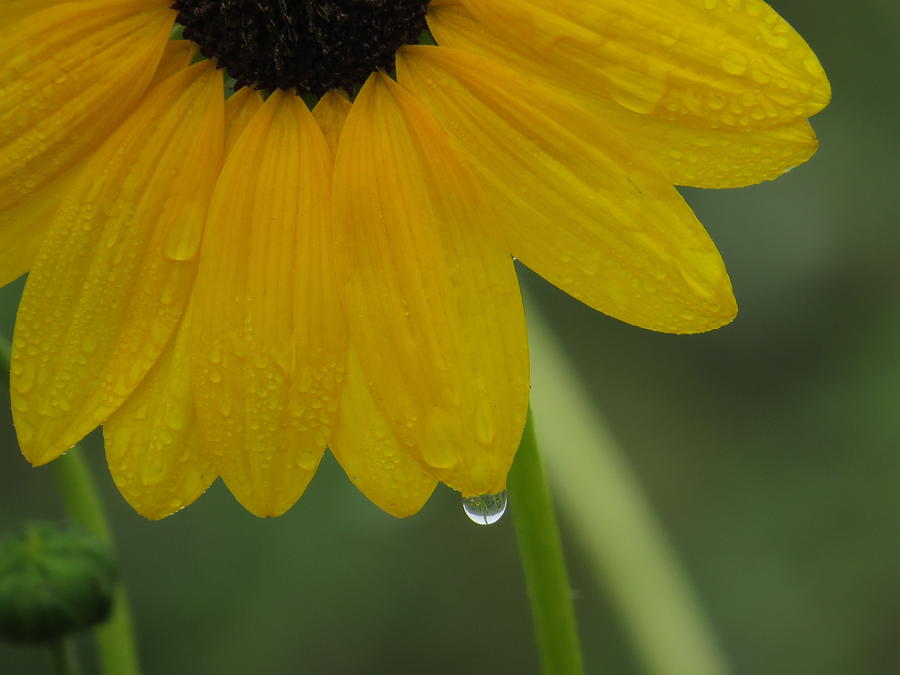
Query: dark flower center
308, 45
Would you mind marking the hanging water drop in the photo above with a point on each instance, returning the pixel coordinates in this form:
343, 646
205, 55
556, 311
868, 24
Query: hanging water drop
485, 509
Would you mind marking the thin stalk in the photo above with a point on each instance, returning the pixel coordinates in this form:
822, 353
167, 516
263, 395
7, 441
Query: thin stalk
608, 511
5, 352
79, 494
65, 658
542, 557
116, 644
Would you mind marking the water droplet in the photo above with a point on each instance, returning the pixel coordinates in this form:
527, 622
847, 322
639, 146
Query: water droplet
485, 509
440, 456
734, 63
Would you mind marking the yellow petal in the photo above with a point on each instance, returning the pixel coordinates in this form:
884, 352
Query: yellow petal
331, 113
70, 75
269, 346
687, 155
707, 158
113, 275
23, 226
14, 10
371, 455
711, 63
239, 110
362, 442
153, 443
177, 56
577, 204
432, 299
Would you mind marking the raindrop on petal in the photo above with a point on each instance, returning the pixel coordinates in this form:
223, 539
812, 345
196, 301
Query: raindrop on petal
485, 509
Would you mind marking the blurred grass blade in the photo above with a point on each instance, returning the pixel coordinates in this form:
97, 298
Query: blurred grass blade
606, 508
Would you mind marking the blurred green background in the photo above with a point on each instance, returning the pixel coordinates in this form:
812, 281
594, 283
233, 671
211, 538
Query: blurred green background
768, 449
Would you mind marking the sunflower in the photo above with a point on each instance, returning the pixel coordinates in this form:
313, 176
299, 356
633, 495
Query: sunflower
325, 259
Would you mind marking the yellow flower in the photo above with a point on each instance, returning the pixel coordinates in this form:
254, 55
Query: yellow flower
230, 287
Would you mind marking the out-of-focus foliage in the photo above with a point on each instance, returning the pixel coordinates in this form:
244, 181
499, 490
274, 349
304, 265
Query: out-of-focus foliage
53, 582
769, 448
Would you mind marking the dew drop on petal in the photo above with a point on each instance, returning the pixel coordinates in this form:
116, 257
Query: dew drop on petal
485, 509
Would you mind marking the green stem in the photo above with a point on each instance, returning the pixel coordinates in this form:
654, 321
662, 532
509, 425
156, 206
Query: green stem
5, 352
116, 643
603, 502
65, 658
542, 558
80, 495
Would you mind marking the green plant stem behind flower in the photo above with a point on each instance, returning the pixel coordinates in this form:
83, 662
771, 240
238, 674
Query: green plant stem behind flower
115, 638
615, 525
116, 643
542, 558
5, 351
65, 658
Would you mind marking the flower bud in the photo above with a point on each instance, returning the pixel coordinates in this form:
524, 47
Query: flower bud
53, 582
